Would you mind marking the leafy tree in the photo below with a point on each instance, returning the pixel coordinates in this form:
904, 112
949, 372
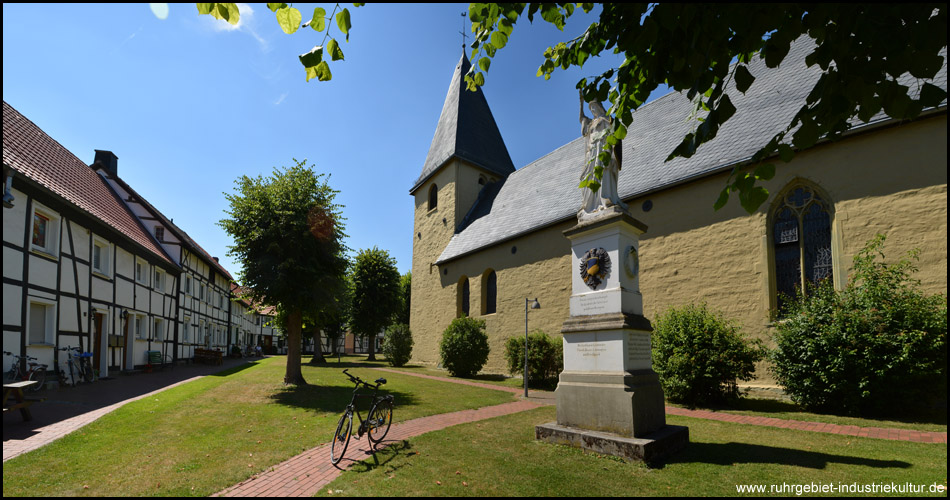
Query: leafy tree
464, 347
862, 49
405, 286
397, 345
288, 237
376, 294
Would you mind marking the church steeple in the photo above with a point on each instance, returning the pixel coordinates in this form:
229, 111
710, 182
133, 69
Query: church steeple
466, 130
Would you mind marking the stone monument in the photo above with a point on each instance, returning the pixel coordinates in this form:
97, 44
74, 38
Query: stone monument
609, 399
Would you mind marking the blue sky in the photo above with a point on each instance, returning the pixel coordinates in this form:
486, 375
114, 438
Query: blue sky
189, 103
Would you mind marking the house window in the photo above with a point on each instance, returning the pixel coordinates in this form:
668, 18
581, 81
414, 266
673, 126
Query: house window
187, 285
159, 280
490, 292
138, 326
45, 231
801, 241
141, 275
101, 252
186, 333
158, 327
433, 197
41, 317
159, 233
463, 297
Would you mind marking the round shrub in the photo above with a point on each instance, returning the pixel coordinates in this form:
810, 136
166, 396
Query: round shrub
464, 347
397, 344
545, 358
877, 347
700, 356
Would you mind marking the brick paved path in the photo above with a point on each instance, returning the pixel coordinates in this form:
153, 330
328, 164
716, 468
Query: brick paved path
305, 474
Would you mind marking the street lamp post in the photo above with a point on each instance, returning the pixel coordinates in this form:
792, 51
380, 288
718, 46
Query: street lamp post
534, 305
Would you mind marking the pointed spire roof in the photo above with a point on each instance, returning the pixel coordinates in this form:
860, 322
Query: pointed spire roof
466, 130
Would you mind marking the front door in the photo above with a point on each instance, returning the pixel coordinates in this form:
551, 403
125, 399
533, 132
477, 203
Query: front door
98, 322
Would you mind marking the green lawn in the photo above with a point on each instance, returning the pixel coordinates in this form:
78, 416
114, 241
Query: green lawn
204, 436
500, 457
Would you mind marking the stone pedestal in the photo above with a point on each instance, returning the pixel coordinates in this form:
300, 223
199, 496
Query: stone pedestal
609, 399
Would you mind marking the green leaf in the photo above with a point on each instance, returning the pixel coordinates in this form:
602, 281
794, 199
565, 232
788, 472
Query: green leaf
725, 109
806, 136
204, 8
932, 95
723, 198
499, 39
479, 79
289, 19
323, 72
484, 63
333, 48
785, 152
744, 79
343, 22
752, 199
312, 58
319, 20
764, 171
274, 7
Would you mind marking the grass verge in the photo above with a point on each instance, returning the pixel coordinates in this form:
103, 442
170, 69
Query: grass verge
199, 438
500, 457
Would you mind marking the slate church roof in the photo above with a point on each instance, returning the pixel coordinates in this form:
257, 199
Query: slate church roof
545, 191
466, 130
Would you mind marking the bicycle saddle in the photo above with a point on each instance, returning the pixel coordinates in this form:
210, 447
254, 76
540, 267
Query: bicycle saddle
380, 381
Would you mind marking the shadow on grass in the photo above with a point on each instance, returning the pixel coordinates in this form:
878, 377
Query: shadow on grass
236, 369
934, 416
384, 454
743, 453
334, 399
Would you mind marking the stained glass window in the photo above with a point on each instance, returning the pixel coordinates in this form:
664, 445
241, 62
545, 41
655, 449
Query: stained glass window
801, 239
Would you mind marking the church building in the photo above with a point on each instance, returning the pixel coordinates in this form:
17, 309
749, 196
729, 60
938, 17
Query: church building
488, 236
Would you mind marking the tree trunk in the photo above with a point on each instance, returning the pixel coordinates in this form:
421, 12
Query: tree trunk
372, 347
293, 376
317, 349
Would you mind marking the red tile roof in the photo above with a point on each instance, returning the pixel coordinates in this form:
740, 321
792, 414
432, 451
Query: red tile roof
37, 156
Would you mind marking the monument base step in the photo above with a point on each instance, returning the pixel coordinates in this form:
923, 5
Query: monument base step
654, 447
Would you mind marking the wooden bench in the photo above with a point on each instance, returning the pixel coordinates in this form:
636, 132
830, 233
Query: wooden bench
157, 360
22, 403
209, 356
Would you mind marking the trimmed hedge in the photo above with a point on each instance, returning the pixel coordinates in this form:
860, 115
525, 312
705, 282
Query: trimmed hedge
464, 347
877, 347
700, 356
545, 358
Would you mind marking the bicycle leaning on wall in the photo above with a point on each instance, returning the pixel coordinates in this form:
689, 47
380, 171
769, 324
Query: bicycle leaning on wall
35, 371
79, 364
377, 422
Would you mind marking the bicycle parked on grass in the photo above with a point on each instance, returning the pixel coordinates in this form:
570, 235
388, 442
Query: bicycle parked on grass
36, 371
80, 366
377, 422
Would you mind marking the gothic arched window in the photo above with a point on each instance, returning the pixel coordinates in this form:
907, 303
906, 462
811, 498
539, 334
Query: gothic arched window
801, 241
490, 292
463, 297
433, 197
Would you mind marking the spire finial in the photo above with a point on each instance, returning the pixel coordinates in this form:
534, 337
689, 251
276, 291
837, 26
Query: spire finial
462, 32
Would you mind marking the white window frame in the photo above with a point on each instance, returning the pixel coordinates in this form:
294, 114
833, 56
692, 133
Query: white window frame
105, 256
139, 326
142, 277
186, 331
51, 247
158, 327
50, 318
160, 279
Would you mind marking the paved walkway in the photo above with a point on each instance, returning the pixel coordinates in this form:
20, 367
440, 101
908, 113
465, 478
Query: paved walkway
70, 408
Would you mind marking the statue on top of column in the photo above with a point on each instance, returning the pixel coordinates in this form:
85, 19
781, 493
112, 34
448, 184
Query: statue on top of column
596, 130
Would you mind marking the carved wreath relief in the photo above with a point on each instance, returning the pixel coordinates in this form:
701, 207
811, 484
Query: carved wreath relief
595, 265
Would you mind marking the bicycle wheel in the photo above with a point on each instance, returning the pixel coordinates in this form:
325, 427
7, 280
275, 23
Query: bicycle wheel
380, 418
341, 438
87, 370
38, 375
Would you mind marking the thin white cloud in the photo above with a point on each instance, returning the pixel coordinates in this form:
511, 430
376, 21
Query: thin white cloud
280, 99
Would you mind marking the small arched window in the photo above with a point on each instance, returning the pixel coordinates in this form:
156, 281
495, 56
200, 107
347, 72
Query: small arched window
433, 197
490, 292
463, 297
801, 241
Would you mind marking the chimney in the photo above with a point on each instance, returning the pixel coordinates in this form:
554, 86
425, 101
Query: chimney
216, 260
108, 161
